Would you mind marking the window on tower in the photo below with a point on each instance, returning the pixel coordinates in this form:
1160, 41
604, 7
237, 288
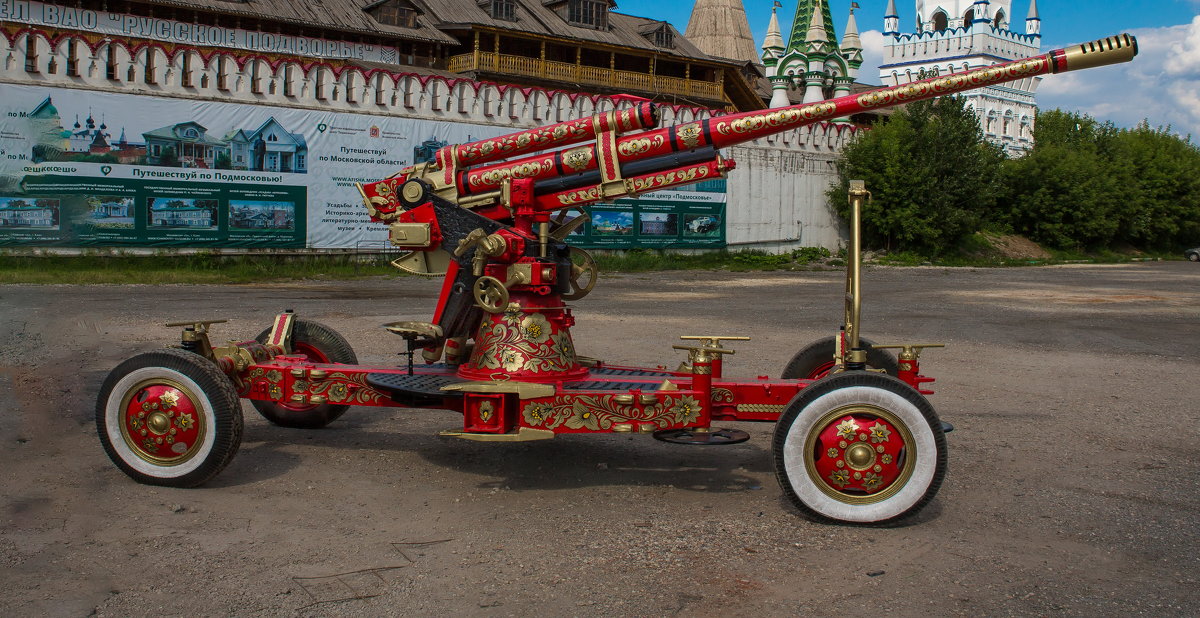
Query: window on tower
968, 17
939, 21
1000, 21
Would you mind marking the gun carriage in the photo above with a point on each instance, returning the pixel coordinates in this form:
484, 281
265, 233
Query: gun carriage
856, 440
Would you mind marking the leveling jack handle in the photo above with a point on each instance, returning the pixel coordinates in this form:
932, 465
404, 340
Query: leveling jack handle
195, 335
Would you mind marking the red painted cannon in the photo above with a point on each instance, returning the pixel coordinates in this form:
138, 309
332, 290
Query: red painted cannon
855, 441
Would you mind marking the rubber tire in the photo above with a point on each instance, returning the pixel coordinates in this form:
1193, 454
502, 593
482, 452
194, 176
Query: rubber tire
808, 362
850, 388
325, 346
1193, 256
219, 403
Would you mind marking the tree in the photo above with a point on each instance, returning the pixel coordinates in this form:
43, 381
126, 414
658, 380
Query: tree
932, 177
168, 158
1090, 185
1164, 172
1065, 193
223, 162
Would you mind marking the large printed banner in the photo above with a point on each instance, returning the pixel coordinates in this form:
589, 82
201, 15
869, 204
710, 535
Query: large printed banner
664, 220
83, 168
86, 169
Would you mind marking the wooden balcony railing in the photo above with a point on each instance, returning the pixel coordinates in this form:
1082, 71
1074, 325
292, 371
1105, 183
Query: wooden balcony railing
595, 76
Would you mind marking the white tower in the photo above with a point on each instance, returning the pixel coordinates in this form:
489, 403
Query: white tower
1033, 23
958, 35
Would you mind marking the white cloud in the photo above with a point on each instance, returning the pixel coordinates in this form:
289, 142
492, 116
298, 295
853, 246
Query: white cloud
1185, 54
1161, 85
872, 42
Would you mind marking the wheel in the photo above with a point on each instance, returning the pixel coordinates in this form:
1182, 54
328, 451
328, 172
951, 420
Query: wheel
169, 418
1193, 256
816, 359
320, 344
859, 447
584, 273
490, 294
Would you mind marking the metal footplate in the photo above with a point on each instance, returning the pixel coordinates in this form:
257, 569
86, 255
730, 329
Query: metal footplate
415, 390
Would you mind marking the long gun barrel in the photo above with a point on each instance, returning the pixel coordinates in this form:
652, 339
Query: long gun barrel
612, 153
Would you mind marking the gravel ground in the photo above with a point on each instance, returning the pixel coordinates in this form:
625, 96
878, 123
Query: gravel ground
1072, 487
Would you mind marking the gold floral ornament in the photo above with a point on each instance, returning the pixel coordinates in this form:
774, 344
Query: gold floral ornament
689, 134
185, 421
872, 481
600, 412
342, 387
586, 195
510, 360
274, 375
527, 346
686, 410
136, 423
840, 478
512, 315
536, 413
536, 329
722, 395
339, 392
169, 399
149, 445
832, 452
879, 433
583, 417
886, 459
578, 158
847, 429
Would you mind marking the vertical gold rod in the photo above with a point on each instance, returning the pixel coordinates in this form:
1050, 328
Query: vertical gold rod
544, 235
858, 190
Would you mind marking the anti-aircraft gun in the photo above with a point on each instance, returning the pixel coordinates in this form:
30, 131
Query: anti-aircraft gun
480, 212
855, 440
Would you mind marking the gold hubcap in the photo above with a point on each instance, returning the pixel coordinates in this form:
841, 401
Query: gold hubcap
860, 456
162, 422
859, 464
158, 423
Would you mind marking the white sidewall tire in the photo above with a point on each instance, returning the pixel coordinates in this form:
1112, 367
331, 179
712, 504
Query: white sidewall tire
113, 422
924, 448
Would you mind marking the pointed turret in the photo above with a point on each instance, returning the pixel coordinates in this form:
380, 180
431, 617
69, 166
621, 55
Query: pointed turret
817, 36
982, 11
1033, 23
817, 44
720, 28
891, 20
802, 22
772, 50
850, 40
773, 40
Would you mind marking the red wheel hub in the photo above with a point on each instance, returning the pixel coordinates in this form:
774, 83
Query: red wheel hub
302, 348
162, 422
860, 454
820, 371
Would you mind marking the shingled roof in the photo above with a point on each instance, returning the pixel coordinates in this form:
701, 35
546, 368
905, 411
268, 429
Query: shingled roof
437, 19
720, 28
539, 18
338, 15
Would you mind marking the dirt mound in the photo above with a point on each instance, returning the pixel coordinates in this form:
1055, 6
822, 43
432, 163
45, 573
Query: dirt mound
1015, 247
